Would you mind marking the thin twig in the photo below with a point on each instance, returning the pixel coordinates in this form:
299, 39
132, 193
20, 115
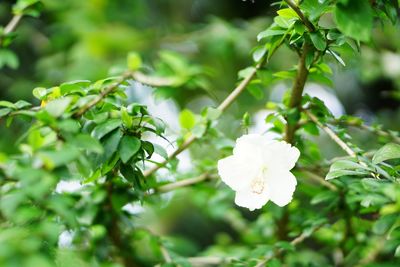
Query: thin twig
153, 81
102, 94
319, 179
303, 18
331, 134
205, 261
183, 183
222, 107
166, 256
10, 27
368, 128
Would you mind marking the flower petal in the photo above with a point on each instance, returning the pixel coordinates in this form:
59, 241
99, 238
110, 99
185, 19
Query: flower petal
250, 200
250, 147
281, 155
280, 185
237, 174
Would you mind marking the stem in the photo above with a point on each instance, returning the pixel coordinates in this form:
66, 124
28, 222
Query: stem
152, 80
319, 180
183, 183
331, 134
124, 250
303, 18
10, 27
368, 128
102, 95
222, 107
297, 91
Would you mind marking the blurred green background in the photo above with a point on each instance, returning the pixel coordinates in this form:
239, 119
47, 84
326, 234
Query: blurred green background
90, 40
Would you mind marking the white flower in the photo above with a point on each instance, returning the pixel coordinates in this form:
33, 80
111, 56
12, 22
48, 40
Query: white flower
259, 170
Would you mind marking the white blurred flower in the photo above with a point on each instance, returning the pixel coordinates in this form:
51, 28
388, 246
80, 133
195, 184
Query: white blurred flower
259, 171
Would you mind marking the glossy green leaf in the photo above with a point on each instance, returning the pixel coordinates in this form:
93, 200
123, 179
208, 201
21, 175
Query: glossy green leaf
354, 18
102, 129
187, 119
318, 40
387, 152
128, 147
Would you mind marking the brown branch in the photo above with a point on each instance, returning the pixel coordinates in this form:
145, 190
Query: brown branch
318, 179
331, 134
303, 18
222, 107
368, 128
182, 183
153, 81
138, 76
297, 91
109, 89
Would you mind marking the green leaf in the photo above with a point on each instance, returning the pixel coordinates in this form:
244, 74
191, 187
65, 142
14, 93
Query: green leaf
259, 53
346, 165
53, 159
8, 58
128, 147
4, 111
39, 92
148, 147
389, 151
256, 90
268, 33
111, 143
187, 119
77, 86
318, 40
57, 107
134, 61
86, 142
20, 104
211, 113
340, 173
102, 129
287, 13
160, 151
337, 57
7, 104
354, 18
314, 8
126, 118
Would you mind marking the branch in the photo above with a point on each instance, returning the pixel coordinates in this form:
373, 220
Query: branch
319, 179
294, 242
222, 107
331, 134
183, 183
10, 27
303, 18
152, 80
368, 128
138, 76
102, 95
297, 91
207, 260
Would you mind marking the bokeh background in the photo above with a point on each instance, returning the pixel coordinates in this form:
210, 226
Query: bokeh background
90, 39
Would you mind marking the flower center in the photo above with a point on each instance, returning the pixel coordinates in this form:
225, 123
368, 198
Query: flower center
257, 184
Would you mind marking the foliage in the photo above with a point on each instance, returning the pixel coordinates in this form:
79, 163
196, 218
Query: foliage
345, 209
